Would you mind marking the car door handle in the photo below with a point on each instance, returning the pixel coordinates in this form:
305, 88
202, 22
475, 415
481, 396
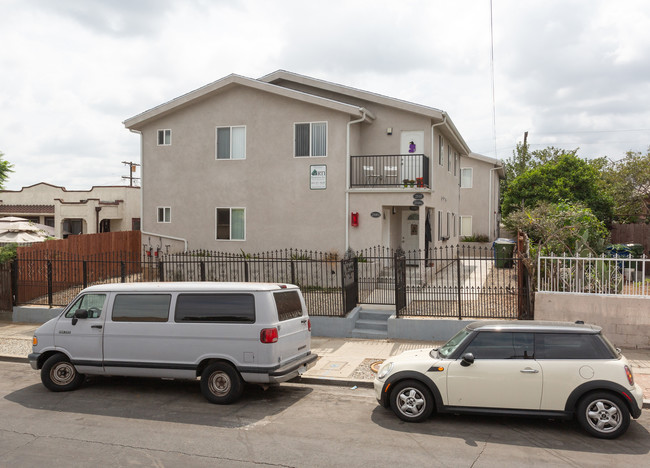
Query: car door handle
95, 326
528, 370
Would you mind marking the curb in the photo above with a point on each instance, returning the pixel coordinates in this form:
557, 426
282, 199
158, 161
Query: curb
18, 359
333, 382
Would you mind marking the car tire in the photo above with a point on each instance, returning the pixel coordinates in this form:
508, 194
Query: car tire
221, 383
58, 374
603, 415
412, 401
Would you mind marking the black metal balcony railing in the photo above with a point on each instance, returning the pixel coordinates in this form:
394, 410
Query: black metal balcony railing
395, 170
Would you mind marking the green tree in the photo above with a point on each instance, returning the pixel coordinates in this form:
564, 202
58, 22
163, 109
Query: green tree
563, 227
562, 176
628, 182
5, 168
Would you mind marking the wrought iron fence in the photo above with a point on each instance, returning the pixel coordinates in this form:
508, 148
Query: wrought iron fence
407, 170
458, 282
594, 275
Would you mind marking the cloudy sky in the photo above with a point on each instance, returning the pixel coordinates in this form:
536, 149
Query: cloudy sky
573, 73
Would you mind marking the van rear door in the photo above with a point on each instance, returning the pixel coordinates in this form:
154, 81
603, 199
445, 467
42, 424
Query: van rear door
294, 336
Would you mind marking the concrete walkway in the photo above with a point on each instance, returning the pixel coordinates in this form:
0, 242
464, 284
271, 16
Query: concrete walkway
342, 361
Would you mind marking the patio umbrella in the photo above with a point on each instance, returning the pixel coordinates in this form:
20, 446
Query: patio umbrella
23, 231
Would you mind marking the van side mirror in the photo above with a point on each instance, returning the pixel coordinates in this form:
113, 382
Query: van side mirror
79, 314
468, 360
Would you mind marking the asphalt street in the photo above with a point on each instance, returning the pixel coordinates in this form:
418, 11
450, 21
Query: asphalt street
158, 423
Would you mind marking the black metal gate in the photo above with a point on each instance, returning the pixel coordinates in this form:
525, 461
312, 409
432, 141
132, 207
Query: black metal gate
400, 281
350, 276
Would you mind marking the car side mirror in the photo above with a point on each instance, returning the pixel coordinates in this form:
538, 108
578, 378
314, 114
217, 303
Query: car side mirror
79, 314
468, 360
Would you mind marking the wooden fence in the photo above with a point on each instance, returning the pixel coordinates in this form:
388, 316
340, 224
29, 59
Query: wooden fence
80, 260
632, 234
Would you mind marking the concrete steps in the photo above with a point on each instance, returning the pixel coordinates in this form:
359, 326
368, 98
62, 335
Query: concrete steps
372, 324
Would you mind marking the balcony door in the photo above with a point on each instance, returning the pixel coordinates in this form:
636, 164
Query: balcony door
411, 144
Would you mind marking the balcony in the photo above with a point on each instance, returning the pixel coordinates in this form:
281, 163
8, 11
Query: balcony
397, 170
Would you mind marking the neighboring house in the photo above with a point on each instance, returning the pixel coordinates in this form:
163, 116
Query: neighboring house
100, 209
289, 161
479, 195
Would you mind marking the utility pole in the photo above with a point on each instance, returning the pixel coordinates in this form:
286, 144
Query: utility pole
132, 167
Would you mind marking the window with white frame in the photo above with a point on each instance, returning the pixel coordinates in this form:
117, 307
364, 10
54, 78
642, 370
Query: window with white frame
465, 226
164, 214
310, 139
441, 149
455, 164
449, 158
231, 223
466, 175
231, 142
164, 137
439, 225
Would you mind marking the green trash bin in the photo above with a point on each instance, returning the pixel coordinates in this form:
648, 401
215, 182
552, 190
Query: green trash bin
504, 251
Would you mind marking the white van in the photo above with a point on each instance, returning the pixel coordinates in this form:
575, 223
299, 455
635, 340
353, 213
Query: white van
224, 333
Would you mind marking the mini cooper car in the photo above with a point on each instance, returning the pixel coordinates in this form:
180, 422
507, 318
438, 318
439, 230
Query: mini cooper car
526, 368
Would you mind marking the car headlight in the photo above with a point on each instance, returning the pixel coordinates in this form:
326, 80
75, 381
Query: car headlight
385, 370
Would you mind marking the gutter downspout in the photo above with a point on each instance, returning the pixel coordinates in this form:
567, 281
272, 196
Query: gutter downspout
433, 142
347, 178
142, 197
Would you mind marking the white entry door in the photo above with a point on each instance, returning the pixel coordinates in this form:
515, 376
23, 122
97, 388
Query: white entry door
412, 143
410, 230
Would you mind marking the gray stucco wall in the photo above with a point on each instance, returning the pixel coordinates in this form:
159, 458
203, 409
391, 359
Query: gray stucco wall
625, 320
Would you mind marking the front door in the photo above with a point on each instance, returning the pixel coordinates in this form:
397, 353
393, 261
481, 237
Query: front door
410, 231
411, 147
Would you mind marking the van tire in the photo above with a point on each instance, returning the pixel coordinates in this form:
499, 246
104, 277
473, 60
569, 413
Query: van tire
221, 384
58, 374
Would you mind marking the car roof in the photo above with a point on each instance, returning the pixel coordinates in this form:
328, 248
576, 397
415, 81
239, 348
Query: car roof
189, 286
533, 326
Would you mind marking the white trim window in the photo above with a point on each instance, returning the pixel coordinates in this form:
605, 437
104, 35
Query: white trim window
455, 163
465, 226
230, 224
310, 139
466, 177
164, 214
231, 142
441, 149
448, 224
439, 225
448, 158
164, 137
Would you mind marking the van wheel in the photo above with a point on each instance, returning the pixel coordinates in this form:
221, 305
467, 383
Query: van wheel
411, 401
58, 374
221, 384
603, 415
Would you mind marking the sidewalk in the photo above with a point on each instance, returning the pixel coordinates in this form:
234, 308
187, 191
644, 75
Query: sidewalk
342, 361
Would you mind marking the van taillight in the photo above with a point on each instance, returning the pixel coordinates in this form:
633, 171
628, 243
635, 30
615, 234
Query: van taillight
308, 325
630, 376
269, 335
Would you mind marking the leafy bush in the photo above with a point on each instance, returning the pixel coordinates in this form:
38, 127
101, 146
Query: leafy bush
475, 238
8, 253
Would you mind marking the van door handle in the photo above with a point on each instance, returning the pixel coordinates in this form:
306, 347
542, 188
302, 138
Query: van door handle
95, 326
303, 321
528, 370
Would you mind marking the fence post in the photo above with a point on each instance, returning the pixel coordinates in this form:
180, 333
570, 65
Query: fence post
14, 281
50, 294
161, 271
84, 274
293, 273
400, 281
246, 272
202, 270
123, 271
460, 308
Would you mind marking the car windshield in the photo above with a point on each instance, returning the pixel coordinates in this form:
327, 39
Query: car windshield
449, 347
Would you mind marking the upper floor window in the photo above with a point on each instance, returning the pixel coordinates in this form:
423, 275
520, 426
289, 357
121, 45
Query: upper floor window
231, 224
441, 149
449, 158
164, 214
455, 163
164, 137
231, 142
310, 139
466, 175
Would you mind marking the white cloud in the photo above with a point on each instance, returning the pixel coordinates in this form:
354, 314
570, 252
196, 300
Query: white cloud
571, 73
